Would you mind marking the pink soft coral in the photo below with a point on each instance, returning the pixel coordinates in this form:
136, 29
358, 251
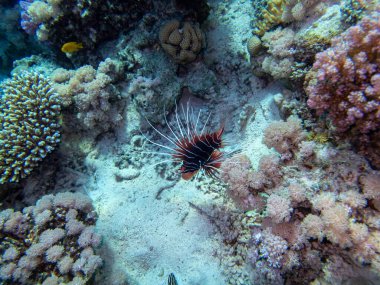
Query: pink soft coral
345, 79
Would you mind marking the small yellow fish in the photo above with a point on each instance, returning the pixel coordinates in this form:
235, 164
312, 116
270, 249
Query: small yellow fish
71, 47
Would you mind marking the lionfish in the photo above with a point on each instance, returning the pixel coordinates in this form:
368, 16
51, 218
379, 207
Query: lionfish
195, 151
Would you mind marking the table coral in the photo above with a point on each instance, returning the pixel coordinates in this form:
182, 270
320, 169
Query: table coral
29, 120
50, 243
182, 41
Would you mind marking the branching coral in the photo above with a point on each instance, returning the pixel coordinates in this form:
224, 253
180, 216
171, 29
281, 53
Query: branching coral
50, 243
91, 92
345, 79
285, 137
287, 51
345, 83
276, 12
29, 120
324, 204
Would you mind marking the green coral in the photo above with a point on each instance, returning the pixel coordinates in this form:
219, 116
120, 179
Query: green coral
268, 14
29, 120
320, 33
353, 10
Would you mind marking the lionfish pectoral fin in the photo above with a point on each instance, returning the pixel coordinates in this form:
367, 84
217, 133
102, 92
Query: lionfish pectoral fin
188, 175
220, 132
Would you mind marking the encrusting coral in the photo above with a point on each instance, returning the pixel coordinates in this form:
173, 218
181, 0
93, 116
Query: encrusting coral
52, 242
30, 128
182, 41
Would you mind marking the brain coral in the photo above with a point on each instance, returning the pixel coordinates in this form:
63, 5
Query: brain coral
182, 42
29, 119
345, 79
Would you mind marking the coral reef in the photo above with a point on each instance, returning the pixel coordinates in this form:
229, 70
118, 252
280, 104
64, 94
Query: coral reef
317, 204
30, 128
287, 51
345, 80
285, 137
274, 12
89, 22
182, 41
290, 207
52, 242
89, 96
291, 32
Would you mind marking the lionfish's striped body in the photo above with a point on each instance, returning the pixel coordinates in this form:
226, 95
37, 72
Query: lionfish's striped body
195, 151
199, 152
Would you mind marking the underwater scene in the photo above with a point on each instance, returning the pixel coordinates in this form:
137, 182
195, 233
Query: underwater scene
190, 142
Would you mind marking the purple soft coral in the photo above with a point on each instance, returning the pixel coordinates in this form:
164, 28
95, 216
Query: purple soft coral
26, 21
345, 79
